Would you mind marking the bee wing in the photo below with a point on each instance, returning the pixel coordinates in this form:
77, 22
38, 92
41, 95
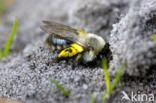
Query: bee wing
61, 31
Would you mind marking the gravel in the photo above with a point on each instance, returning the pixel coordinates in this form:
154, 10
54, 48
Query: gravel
127, 26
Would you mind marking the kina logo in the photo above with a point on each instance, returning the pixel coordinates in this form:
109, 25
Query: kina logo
138, 96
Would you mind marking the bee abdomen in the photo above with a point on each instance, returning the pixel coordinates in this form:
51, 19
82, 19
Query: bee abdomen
58, 41
72, 50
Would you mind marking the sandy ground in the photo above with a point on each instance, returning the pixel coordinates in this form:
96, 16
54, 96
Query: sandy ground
126, 25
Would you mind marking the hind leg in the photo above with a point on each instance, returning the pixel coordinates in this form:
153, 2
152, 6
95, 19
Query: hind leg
78, 59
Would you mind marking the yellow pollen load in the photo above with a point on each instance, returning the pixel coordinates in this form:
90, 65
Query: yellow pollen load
70, 51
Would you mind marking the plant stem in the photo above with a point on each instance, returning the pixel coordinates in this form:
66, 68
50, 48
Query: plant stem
0, 52
9, 41
60, 87
106, 74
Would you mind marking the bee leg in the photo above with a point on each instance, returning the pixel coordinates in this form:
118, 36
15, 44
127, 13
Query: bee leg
55, 60
77, 60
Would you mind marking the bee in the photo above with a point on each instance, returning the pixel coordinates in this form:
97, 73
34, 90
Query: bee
73, 42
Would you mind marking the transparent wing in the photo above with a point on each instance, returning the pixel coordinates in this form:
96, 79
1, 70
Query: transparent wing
60, 31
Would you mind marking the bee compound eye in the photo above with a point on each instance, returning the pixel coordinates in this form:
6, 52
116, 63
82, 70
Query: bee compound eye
91, 48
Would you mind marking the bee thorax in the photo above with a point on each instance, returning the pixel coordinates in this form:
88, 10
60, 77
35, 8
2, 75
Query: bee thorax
96, 42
